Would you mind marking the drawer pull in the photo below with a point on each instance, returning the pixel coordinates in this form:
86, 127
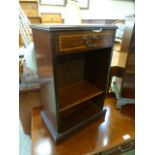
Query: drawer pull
86, 41
97, 30
127, 148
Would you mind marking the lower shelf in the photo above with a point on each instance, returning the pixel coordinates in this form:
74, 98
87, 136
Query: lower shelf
79, 115
73, 122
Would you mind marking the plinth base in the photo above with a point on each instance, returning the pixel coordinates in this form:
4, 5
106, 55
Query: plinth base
59, 137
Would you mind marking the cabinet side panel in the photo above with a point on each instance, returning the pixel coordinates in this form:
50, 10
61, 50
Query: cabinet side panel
42, 41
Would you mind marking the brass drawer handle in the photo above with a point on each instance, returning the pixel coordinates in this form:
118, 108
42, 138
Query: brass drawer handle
86, 41
127, 148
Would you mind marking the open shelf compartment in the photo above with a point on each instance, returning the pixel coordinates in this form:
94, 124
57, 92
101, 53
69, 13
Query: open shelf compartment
81, 80
81, 113
76, 93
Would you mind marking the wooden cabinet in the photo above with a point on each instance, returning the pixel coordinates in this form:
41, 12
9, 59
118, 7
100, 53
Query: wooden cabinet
73, 74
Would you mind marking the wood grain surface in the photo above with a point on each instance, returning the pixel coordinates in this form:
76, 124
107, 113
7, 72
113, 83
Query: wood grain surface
74, 41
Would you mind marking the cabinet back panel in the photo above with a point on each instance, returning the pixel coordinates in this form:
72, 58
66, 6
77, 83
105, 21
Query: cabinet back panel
90, 66
70, 69
96, 69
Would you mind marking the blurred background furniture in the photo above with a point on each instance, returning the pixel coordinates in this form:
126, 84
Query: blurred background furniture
124, 87
27, 64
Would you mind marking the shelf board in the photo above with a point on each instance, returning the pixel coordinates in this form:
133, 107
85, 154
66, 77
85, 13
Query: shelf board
74, 94
83, 114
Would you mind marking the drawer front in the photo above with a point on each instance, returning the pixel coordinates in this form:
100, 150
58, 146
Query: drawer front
83, 40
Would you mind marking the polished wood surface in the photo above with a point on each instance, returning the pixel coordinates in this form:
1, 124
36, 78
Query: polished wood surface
115, 133
45, 60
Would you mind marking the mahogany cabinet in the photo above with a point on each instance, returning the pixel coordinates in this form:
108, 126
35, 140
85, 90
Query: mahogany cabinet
73, 67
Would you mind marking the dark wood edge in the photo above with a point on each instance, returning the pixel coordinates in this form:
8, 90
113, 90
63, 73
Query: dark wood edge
59, 137
63, 27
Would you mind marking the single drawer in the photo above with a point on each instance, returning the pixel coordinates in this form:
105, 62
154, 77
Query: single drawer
78, 41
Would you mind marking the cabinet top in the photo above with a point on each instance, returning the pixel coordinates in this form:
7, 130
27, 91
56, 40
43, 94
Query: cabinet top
63, 27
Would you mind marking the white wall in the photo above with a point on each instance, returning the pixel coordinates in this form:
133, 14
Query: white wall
99, 9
